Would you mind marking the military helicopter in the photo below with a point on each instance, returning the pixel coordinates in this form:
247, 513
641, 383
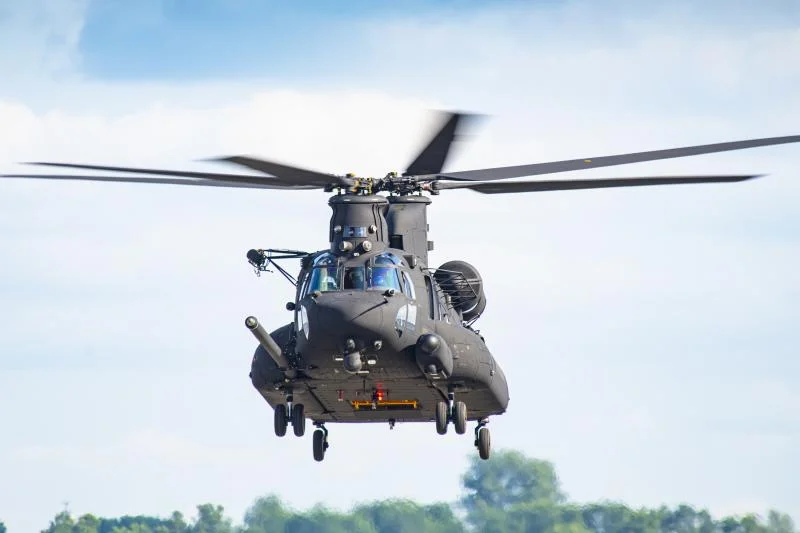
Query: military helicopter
377, 334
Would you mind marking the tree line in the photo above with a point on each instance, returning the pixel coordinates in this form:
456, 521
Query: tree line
511, 493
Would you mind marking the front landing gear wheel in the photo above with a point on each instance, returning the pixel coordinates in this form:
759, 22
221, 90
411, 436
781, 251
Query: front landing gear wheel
320, 444
460, 417
442, 417
281, 420
483, 442
298, 420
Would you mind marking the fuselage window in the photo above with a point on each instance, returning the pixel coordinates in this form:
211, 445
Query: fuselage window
304, 286
431, 298
408, 286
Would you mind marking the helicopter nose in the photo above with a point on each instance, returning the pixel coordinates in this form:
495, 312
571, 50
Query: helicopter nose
344, 315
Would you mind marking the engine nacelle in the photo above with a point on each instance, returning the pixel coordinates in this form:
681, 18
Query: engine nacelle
462, 283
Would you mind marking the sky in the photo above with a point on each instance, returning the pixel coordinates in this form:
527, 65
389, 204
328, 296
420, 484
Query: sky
649, 335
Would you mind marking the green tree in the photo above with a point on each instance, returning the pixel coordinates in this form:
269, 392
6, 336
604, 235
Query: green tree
137, 527
266, 514
776, 523
611, 517
2, 527
87, 523
319, 519
511, 492
405, 516
211, 519
62, 523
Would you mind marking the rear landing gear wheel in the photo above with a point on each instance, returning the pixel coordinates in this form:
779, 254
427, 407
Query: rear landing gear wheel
460, 417
320, 443
281, 420
483, 441
298, 420
442, 417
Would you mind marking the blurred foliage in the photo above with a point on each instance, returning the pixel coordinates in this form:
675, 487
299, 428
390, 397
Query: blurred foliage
510, 493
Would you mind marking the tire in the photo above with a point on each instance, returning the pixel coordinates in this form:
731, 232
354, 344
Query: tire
281, 420
441, 418
484, 443
319, 445
460, 417
298, 420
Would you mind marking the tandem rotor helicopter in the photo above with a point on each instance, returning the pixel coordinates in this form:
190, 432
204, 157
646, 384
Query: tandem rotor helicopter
378, 335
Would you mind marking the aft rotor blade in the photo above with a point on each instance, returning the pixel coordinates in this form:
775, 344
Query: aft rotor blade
233, 178
535, 169
168, 181
564, 185
433, 156
286, 173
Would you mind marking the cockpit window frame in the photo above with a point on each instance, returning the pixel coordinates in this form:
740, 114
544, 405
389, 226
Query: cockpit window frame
396, 280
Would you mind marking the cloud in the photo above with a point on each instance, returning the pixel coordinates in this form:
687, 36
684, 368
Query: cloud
42, 37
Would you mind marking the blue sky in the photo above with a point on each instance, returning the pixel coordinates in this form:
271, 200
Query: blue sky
661, 365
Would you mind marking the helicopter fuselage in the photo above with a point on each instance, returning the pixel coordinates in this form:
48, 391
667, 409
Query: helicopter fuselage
365, 352
377, 335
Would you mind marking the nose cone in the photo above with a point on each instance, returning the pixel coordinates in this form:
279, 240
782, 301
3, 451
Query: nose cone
362, 310
335, 317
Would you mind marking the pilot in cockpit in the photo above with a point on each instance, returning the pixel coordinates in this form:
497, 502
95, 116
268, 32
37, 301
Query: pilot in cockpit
327, 282
354, 279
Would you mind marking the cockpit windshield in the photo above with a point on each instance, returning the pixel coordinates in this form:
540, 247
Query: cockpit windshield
383, 272
323, 279
354, 278
324, 274
383, 278
380, 273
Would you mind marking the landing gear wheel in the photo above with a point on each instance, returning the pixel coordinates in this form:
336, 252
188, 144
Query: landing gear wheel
460, 417
483, 441
442, 418
298, 420
281, 420
320, 444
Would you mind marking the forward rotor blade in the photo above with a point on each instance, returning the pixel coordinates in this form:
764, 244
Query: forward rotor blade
433, 156
500, 173
286, 173
232, 178
169, 181
564, 185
